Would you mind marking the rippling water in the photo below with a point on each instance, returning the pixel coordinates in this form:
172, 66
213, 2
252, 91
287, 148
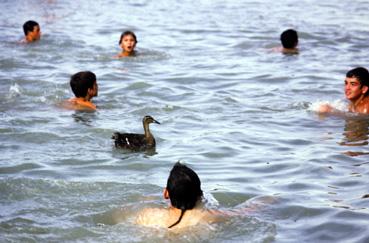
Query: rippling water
239, 114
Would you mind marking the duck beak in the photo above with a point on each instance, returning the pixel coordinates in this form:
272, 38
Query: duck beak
156, 121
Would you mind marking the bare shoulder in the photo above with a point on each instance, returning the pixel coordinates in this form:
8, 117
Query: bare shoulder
156, 217
75, 104
152, 217
366, 105
362, 107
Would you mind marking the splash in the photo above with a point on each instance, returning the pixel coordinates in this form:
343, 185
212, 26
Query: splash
338, 105
14, 91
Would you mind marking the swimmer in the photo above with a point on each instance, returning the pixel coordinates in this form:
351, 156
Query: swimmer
84, 87
184, 191
289, 40
32, 31
128, 43
185, 194
356, 91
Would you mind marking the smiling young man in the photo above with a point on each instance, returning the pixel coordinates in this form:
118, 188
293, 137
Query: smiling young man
356, 91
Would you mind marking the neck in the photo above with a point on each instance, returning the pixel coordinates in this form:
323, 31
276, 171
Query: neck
174, 211
148, 134
290, 50
29, 39
126, 53
83, 98
358, 101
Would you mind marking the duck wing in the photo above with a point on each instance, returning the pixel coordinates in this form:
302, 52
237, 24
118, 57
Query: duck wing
130, 141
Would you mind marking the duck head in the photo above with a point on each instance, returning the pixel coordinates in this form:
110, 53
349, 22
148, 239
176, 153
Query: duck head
149, 119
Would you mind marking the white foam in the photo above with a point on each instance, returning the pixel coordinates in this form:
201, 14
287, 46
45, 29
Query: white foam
15, 90
209, 200
339, 105
42, 99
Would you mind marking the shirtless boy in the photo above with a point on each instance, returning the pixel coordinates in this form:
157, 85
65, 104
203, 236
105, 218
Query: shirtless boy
289, 40
184, 191
356, 91
128, 43
84, 87
32, 31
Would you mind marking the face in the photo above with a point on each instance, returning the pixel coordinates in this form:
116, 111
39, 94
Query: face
36, 33
128, 43
353, 89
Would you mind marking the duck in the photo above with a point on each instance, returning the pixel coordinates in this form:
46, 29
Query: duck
136, 142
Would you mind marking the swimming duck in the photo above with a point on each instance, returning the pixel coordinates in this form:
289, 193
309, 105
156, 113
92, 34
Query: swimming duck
134, 141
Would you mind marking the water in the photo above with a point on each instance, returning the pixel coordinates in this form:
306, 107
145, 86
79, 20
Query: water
240, 115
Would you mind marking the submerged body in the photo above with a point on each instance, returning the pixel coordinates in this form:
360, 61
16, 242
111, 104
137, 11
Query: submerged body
186, 207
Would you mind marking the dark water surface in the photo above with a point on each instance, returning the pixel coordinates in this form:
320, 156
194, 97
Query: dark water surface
239, 114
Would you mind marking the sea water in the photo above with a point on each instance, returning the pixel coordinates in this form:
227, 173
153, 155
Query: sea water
242, 116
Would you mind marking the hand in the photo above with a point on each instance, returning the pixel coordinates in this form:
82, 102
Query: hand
325, 108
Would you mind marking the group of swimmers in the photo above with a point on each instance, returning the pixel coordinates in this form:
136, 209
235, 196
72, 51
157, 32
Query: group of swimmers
183, 185
83, 84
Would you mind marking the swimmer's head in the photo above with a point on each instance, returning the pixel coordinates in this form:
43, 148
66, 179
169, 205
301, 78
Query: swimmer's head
183, 188
127, 42
289, 39
361, 74
127, 33
84, 84
32, 30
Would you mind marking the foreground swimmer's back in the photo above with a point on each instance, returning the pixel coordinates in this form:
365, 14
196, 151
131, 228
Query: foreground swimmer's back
157, 217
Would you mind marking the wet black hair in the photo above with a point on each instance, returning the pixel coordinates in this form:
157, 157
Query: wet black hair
81, 82
28, 26
361, 74
128, 32
184, 189
289, 38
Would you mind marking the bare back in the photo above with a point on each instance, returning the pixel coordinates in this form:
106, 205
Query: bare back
160, 217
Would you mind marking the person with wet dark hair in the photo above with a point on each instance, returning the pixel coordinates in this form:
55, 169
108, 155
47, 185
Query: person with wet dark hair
289, 39
186, 207
31, 31
84, 87
127, 42
184, 192
356, 92
183, 189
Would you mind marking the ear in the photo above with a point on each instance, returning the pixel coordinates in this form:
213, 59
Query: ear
90, 91
165, 193
364, 89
